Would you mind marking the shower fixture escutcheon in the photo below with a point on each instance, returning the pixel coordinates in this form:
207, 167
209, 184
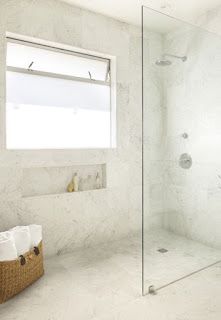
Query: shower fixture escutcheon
185, 161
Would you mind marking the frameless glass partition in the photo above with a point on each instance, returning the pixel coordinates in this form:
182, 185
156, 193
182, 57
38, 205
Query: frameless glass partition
181, 150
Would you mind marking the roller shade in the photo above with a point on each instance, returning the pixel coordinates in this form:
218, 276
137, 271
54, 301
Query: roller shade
46, 91
42, 59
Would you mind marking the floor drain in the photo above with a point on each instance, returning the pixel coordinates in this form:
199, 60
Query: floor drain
162, 250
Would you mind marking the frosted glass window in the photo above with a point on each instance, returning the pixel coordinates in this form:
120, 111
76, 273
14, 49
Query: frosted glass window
73, 64
47, 111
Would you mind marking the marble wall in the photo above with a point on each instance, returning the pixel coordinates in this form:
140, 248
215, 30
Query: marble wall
90, 217
184, 97
55, 180
192, 99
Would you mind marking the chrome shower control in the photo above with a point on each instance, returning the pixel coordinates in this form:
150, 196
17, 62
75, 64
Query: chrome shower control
185, 135
185, 161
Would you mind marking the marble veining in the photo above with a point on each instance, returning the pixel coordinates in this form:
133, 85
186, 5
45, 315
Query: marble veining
104, 283
184, 97
192, 100
54, 180
90, 217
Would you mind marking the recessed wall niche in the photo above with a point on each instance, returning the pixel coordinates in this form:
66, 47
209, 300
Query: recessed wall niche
54, 180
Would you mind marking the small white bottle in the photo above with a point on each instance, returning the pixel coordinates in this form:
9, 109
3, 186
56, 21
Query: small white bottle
98, 181
75, 182
89, 183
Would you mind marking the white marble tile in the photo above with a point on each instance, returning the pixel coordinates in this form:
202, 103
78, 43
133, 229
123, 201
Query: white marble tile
192, 102
184, 256
196, 297
54, 180
104, 283
91, 217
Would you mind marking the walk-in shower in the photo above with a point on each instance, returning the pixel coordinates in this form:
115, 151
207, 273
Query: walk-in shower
181, 150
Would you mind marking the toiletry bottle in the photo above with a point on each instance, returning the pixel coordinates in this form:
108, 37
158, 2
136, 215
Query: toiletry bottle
70, 187
75, 182
98, 181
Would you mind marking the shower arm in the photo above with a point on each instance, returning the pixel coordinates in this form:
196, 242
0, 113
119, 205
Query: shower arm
174, 56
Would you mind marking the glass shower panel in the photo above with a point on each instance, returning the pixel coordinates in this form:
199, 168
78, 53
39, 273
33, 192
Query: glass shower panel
181, 150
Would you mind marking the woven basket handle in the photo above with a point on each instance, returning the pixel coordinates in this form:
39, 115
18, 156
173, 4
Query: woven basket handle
36, 251
22, 260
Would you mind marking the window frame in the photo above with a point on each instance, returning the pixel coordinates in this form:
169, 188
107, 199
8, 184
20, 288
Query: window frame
66, 49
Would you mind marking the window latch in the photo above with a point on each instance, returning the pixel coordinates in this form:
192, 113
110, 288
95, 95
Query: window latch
90, 75
30, 65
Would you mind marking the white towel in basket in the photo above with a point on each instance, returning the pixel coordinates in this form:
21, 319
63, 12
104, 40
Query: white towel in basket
8, 250
5, 235
36, 234
22, 239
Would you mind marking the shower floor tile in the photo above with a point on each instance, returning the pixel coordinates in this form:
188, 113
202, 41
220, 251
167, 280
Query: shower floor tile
104, 283
182, 257
194, 298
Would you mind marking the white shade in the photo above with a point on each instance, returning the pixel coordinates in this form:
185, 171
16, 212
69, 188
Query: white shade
21, 56
56, 99
46, 91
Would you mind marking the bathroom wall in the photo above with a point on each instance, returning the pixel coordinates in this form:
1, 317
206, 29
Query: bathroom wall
193, 99
90, 217
94, 216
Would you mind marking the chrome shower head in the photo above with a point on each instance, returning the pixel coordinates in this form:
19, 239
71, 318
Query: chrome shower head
163, 62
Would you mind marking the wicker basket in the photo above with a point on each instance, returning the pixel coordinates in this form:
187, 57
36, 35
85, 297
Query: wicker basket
18, 274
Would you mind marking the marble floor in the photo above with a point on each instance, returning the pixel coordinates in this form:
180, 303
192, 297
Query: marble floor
182, 258
104, 283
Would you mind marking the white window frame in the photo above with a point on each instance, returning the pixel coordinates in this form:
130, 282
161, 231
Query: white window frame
66, 49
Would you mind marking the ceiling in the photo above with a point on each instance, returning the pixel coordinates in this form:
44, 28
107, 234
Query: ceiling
130, 10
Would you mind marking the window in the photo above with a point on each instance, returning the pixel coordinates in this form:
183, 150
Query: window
56, 99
